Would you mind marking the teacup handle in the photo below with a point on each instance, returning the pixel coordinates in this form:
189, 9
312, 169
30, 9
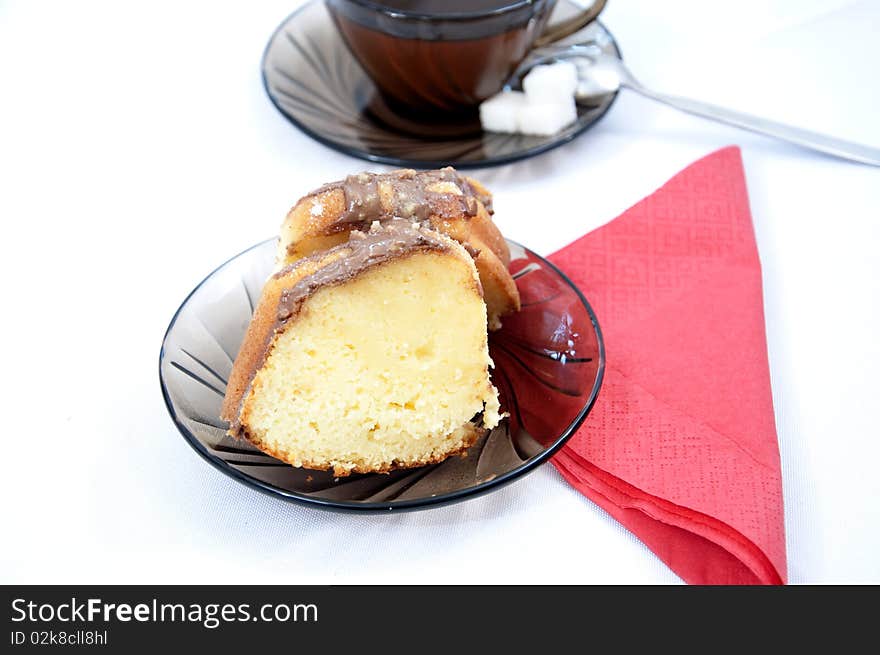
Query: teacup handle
571, 25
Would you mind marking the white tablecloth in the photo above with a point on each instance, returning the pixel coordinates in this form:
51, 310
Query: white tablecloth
138, 150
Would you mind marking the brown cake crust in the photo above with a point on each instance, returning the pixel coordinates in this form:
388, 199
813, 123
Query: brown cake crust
455, 205
471, 433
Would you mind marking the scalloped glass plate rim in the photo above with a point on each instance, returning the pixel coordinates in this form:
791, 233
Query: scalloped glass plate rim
385, 506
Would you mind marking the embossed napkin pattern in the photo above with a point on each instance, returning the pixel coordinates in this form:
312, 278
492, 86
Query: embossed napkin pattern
681, 446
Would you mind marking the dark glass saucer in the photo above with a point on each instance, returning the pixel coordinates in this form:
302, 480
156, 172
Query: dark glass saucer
316, 83
549, 361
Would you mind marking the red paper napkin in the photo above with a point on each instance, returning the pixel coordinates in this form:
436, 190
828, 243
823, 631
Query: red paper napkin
681, 445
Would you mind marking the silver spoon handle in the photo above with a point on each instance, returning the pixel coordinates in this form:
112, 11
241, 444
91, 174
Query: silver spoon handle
805, 138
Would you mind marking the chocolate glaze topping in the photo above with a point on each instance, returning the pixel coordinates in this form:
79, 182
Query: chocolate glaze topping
413, 195
365, 249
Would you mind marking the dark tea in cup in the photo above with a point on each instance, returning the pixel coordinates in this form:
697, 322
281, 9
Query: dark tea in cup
446, 55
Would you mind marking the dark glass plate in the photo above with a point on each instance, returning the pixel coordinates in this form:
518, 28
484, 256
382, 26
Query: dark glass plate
549, 361
313, 80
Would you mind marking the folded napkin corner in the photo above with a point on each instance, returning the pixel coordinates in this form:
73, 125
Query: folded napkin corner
681, 446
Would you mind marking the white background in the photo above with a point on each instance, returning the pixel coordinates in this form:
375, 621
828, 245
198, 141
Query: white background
138, 151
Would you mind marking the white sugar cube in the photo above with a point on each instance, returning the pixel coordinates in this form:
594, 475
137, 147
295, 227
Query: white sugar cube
546, 117
596, 79
500, 112
589, 89
545, 107
551, 81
